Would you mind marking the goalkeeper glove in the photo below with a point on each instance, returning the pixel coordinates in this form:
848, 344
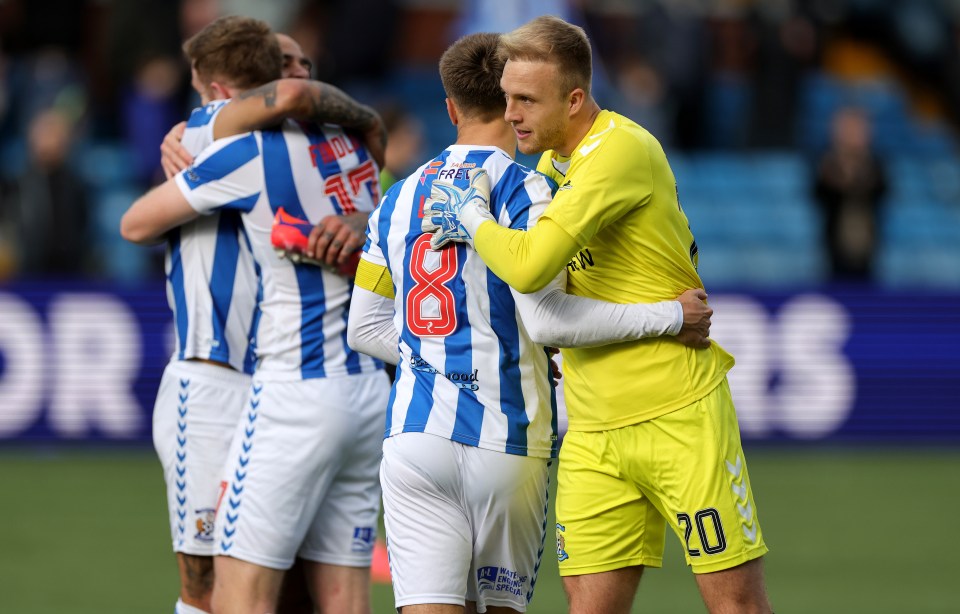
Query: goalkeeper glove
454, 214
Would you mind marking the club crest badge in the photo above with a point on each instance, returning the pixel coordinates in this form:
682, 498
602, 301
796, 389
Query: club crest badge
204, 524
561, 544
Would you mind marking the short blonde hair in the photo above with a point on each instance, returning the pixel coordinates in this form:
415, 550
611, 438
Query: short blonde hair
551, 39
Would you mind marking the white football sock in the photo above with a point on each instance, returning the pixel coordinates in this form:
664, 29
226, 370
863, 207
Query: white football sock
182, 608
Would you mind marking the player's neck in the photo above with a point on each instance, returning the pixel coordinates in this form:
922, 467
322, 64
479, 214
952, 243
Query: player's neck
220, 90
580, 125
495, 133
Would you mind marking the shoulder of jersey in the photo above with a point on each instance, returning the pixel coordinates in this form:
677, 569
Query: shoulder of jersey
618, 140
594, 141
550, 183
201, 116
499, 169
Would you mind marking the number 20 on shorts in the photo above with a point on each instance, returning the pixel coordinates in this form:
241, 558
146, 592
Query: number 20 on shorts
710, 544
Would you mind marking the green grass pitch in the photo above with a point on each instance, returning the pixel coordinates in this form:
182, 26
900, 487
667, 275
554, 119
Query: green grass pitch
850, 530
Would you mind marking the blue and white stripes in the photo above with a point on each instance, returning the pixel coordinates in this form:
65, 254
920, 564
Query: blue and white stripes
211, 281
468, 370
301, 328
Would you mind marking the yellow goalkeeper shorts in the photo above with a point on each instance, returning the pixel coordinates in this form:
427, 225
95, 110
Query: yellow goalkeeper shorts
616, 489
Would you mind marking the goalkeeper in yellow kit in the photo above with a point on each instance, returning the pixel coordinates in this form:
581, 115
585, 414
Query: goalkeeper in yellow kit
653, 436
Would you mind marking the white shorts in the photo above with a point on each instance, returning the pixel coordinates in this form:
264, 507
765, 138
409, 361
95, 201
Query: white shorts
301, 476
194, 418
463, 523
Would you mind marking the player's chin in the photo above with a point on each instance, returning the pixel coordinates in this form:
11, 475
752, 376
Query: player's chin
528, 146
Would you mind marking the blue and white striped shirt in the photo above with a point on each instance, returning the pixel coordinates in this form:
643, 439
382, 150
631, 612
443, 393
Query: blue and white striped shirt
211, 281
311, 172
468, 369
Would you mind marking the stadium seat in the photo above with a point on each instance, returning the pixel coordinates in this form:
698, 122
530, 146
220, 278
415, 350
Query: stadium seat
121, 260
920, 223
752, 217
105, 164
903, 266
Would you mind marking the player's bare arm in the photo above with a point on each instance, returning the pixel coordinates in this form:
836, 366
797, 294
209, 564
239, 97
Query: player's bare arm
309, 101
155, 213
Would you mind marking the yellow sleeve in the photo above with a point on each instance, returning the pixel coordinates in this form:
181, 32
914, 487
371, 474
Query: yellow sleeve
526, 260
375, 278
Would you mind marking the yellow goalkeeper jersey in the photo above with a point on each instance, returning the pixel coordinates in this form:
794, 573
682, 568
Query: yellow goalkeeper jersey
618, 199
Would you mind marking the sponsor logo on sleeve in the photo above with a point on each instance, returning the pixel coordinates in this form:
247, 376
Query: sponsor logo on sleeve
191, 174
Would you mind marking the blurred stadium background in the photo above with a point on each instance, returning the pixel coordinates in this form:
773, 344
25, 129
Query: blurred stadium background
848, 378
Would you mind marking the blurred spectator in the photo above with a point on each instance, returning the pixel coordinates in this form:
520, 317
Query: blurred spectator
150, 106
405, 141
849, 187
43, 79
45, 208
197, 14
920, 36
356, 42
642, 96
137, 31
659, 56
280, 14
787, 47
733, 56
47, 43
4, 93
498, 16
678, 48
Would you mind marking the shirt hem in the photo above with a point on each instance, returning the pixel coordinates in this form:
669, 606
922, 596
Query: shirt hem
645, 416
579, 570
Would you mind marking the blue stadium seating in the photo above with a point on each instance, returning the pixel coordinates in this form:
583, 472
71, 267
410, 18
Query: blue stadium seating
753, 219
104, 164
121, 260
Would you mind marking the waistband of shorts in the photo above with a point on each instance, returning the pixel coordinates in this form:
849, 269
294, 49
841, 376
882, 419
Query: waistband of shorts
208, 371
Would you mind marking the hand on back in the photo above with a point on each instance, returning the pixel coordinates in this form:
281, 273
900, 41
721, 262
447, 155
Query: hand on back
695, 331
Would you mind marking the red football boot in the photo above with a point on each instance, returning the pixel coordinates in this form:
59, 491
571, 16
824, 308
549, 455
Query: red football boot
290, 237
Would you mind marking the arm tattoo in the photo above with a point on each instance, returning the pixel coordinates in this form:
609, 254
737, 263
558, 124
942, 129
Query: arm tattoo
268, 92
332, 105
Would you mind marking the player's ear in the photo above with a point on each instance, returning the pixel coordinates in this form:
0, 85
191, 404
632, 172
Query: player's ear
218, 91
576, 99
452, 112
